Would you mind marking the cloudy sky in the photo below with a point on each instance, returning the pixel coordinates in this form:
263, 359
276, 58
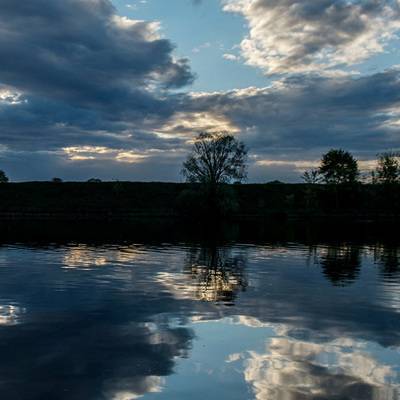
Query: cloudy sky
117, 89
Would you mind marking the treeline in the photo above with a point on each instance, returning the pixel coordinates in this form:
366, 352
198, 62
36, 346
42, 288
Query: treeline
217, 160
340, 167
125, 200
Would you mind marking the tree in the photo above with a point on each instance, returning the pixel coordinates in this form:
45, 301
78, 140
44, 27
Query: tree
339, 167
57, 180
3, 177
388, 169
311, 176
216, 158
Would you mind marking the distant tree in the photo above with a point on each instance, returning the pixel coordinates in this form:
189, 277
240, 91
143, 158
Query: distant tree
57, 180
94, 180
388, 169
3, 177
311, 176
338, 167
216, 158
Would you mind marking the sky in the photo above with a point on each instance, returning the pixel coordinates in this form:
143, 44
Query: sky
118, 89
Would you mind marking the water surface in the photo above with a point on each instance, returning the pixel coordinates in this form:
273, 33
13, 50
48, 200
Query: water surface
168, 321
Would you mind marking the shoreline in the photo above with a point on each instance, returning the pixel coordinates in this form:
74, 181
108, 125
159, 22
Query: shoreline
125, 201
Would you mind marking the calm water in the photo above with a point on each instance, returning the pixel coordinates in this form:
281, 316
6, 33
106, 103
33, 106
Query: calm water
241, 321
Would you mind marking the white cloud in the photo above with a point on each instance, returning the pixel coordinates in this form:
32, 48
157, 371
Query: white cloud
203, 46
85, 153
292, 36
230, 57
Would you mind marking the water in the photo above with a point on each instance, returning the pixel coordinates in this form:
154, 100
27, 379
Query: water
235, 321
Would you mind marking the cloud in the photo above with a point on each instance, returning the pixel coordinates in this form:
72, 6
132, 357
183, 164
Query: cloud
230, 57
74, 73
295, 119
83, 51
79, 57
293, 36
287, 127
76, 76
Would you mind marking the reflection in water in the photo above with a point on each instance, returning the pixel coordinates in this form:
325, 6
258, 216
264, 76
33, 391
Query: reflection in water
218, 274
340, 264
388, 257
296, 369
134, 388
83, 256
211, 274
129, 328
10, 314
89, 359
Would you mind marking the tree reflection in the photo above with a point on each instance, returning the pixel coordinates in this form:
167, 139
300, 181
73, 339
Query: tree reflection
388, 258
340, 264
217, 272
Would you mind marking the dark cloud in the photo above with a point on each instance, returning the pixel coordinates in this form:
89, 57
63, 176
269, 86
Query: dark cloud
297, 118
292, 121
81, 52
76, 76
43, 165
74, 73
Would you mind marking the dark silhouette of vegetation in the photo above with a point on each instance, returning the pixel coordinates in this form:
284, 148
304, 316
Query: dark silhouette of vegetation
216, 158
121, 200
57, 180
214, 171
3, 177
201, 201
311, 177
388, 169
339, 167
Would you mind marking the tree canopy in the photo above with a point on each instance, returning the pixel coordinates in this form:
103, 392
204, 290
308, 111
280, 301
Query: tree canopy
338, 167
311, 176
388, 169
216, 158
3, 177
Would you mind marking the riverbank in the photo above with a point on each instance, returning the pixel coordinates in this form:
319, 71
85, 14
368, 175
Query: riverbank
121, 201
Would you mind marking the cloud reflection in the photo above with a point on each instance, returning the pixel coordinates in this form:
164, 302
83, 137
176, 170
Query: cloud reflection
294, 369
83, 256
10, 314
121, 329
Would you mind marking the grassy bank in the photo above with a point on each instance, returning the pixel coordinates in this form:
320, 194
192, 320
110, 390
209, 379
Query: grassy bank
124, 200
